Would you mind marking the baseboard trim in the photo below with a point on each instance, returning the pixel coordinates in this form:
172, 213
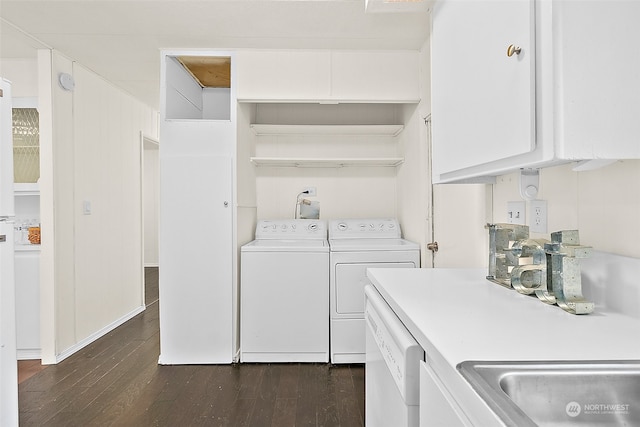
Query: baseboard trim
29, 354
98, 334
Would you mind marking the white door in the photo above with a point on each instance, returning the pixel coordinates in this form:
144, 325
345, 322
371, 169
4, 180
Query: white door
196, 258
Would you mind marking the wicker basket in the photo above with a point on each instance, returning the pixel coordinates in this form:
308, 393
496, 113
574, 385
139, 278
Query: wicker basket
34, 235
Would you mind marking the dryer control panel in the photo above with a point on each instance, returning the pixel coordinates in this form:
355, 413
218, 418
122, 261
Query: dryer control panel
364, 228
291, 229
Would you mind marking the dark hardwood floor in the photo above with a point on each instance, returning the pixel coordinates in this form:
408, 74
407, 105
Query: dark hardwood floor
116, 381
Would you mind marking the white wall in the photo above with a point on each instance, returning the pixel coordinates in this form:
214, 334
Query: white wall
413, 183
245, 176
603, 204
23, 74
184, 94
349, 192
92, 264
216, 103
457, 213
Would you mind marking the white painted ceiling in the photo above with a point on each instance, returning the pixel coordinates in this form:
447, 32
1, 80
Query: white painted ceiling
121, 39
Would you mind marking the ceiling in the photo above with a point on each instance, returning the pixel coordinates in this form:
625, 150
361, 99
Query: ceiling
121, 39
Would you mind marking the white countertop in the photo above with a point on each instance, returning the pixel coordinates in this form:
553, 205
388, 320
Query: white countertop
468, 317
458, 315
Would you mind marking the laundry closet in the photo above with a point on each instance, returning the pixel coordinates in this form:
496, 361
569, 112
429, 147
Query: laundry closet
337, 121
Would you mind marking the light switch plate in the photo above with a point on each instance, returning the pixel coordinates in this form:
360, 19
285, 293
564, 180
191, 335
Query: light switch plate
515, 212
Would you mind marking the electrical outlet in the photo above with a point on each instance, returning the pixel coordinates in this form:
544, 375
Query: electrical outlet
538, 215
311, 191
515, 212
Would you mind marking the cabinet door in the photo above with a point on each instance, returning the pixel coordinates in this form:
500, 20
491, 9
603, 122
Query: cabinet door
375, 76
436, 407
598, 82
196, 258
282, 75
483, 101
27, 277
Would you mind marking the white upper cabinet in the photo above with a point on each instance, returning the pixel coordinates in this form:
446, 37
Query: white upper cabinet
375, 76
286, 75
566, 91
483, 100
327, 76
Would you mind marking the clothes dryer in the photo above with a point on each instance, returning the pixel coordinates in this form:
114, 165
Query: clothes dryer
284, 293
355, 245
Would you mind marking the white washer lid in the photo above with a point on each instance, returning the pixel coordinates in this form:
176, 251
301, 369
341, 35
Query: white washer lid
286, 245
353, 245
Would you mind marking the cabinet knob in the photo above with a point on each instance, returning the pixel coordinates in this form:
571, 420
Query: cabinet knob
433, 246
226, 204
513, 49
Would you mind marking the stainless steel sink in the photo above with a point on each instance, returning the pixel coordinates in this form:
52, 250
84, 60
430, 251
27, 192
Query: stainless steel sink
559, 393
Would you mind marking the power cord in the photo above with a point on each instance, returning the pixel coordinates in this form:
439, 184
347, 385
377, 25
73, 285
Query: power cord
295, 211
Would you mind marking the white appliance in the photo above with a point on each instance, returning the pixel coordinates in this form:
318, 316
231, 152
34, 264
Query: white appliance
284, 293
8, 352
392, 370
355, 245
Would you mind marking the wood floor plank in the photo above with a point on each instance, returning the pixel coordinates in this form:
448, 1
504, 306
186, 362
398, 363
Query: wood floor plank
123, 390
241, 413
265, 400
357, 373
28, 368
289, 378
116, 381
250, 377
140, 411
327, 402
316, 396
348, 408
284, 412
195, 403
69, 397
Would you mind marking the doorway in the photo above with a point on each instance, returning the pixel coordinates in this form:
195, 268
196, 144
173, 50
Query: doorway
150, 193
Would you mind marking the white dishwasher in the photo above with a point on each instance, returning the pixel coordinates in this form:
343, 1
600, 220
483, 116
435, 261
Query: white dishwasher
392, 372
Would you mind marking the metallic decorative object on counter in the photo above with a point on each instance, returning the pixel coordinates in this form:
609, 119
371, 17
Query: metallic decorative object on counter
501, 256
563, 254
527, 278
551, 270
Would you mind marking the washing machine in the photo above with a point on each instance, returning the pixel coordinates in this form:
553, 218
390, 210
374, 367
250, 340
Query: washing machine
284, 293
355, 245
